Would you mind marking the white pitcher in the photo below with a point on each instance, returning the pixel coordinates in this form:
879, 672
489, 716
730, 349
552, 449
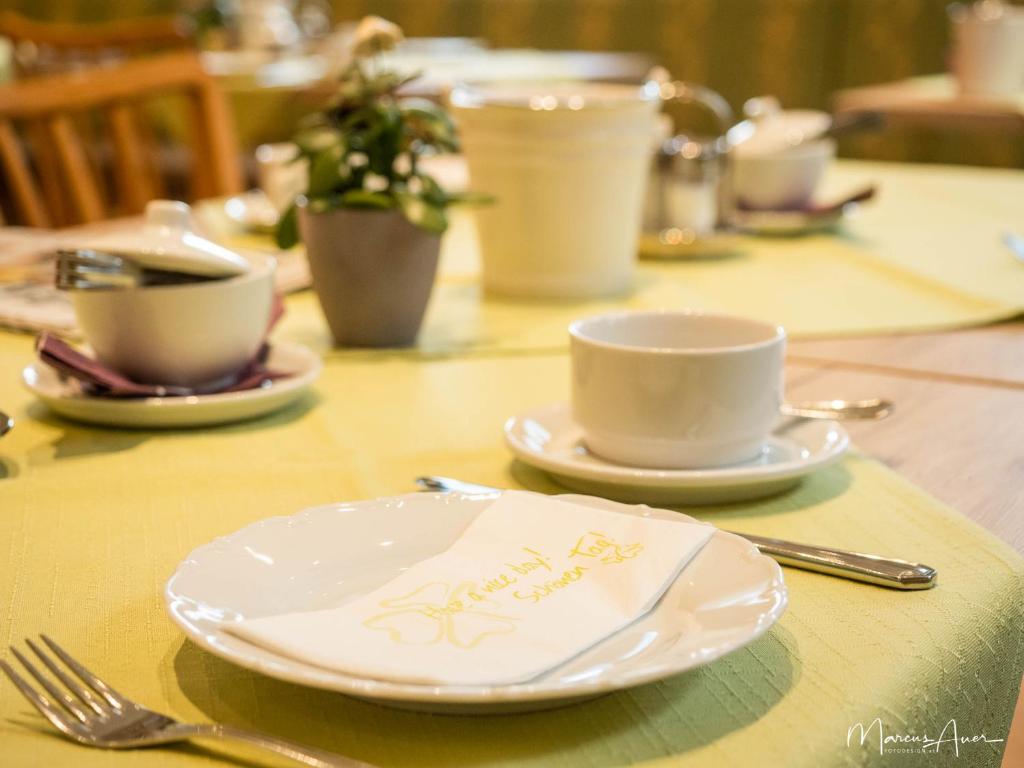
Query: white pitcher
567, 165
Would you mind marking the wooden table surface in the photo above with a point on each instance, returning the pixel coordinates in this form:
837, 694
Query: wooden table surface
935, 101
956, 430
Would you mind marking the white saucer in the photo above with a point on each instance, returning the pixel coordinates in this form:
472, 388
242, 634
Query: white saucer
252, 210
548, 438
790, 223
64, 396
726, 597
715, 246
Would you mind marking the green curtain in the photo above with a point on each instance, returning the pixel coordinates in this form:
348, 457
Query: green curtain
798, 50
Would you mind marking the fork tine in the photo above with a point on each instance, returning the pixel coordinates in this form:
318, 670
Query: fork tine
85, 269
87, 698
41, 703
94, 278
66, 699
104, 690
85, 256
89, 261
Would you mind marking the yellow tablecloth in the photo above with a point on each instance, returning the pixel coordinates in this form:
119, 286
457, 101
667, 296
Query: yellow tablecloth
92, 521
926, 255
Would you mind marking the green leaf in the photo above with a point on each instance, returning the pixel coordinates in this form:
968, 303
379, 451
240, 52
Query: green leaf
315, 140
325, 171
359, 118
362, 198
431, 191
471, 198
423, 213
429, 123
287, 233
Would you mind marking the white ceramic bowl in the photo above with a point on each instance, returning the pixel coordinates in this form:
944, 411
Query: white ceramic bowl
184, 335
780, 180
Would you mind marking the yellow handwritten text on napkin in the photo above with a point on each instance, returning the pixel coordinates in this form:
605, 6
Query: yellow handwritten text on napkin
532, 582
462, 616
458, 616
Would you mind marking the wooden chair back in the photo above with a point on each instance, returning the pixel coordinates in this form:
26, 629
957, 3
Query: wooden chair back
42, 47
45, 162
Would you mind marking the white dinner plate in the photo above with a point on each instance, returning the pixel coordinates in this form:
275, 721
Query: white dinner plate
64, 396
319, 558
548, 438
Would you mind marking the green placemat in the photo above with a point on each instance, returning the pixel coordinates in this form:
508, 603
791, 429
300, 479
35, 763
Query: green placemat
925, 256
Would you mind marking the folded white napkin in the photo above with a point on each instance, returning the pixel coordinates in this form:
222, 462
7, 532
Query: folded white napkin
532, 582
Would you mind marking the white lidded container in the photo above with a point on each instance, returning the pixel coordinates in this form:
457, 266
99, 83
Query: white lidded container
776, 168
188, 334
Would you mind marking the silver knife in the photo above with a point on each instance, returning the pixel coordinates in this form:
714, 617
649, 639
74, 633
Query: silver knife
872, 569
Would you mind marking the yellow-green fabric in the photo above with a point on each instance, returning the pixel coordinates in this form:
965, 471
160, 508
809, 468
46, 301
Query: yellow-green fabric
800, 50
92, 522
926, 255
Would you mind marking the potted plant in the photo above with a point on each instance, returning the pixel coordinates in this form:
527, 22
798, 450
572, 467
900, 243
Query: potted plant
371, 218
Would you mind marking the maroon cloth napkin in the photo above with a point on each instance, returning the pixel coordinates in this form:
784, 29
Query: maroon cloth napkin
102, 381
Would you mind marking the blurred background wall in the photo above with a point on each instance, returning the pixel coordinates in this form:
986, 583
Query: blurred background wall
799, 50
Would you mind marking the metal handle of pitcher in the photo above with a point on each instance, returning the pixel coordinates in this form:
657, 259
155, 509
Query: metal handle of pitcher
692, 93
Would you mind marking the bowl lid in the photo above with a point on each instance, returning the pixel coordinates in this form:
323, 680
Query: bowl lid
166, 241
779, 131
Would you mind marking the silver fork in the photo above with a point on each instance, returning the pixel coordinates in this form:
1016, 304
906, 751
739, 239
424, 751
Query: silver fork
96, 715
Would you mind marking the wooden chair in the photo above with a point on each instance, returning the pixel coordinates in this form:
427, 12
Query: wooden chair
57, 183
46, 47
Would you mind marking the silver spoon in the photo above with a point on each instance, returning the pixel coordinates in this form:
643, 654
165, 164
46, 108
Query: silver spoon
872, 569
839, 125
6, 423
840, 410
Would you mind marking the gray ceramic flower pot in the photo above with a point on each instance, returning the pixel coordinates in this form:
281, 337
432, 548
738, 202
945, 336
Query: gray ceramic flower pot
372, 271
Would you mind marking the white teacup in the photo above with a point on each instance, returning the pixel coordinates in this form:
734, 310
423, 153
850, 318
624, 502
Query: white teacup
676, 389
567, 165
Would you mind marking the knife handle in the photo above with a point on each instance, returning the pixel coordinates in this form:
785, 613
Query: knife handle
885, 572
